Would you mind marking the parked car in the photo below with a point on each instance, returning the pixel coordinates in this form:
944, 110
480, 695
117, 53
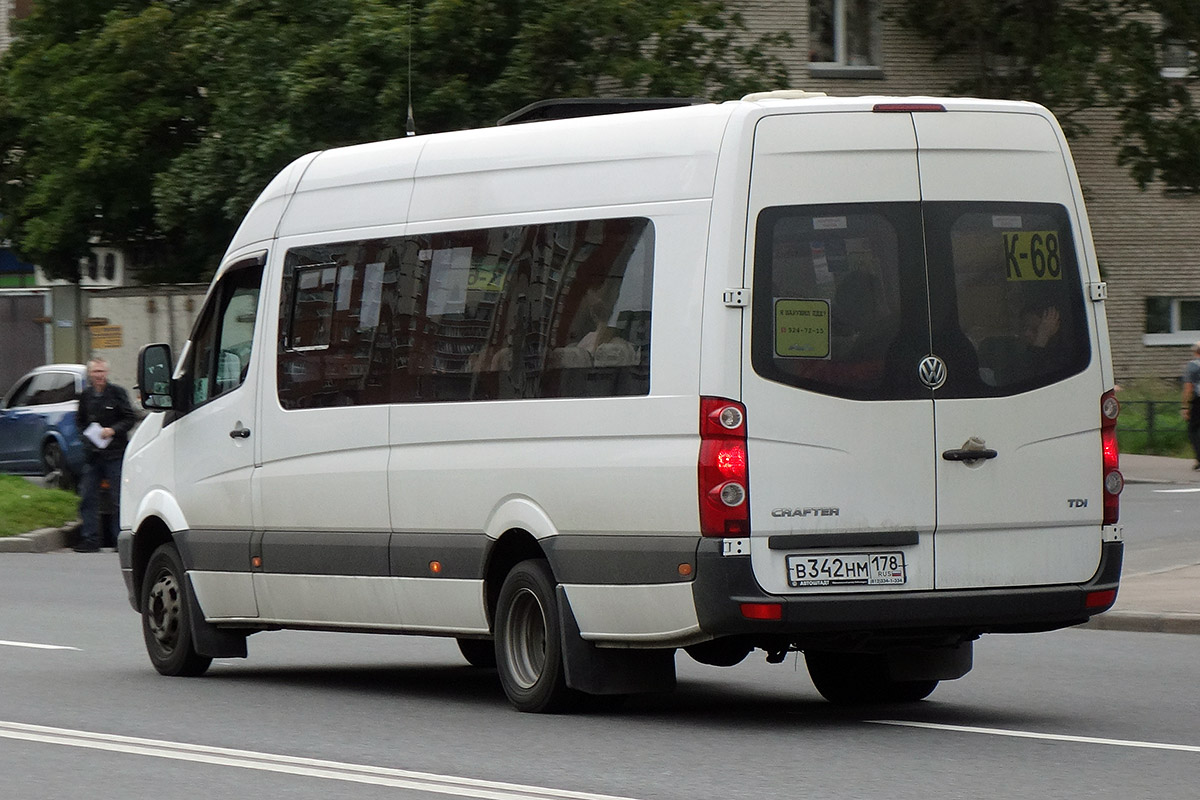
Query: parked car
38, 435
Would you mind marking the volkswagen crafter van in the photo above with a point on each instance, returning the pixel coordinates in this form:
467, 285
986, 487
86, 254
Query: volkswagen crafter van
790, 373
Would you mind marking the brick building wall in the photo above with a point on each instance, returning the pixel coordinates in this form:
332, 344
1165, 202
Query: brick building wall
1148, 242
5, 33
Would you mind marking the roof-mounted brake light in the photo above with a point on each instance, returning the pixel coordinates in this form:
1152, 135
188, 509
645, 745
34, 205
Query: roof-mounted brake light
907, 108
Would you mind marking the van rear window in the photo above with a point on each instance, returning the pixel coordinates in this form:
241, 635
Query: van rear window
848, 299
553, 310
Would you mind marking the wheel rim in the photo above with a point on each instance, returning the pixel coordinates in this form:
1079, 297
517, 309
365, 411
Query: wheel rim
525, 655
52, 458
164, 610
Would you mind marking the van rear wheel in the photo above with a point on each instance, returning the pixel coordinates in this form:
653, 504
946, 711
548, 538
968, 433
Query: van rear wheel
861, 678
529, 655
166, 620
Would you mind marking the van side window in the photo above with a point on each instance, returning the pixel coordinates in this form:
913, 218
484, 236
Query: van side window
220, 346
534, 311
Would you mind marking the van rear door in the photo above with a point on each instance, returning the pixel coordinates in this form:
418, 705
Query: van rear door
922, 389
1006, 278
840, 444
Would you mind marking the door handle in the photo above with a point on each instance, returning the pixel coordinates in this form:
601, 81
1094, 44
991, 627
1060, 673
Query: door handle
239, 433
967, 454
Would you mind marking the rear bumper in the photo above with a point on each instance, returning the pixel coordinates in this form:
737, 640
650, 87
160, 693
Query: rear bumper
723, 584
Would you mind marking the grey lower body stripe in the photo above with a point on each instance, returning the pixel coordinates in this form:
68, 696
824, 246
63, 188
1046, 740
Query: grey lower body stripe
575, 558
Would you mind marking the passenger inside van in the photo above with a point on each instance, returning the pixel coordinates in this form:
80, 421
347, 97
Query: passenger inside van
1038, 348
861, 329
602, 345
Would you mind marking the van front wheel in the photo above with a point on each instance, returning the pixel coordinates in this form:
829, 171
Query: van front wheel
166, 621
861, 678
529, 655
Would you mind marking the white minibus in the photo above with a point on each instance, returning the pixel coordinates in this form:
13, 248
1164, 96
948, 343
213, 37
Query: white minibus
793, 373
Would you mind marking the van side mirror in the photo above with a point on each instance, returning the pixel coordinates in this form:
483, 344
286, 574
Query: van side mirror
154, 377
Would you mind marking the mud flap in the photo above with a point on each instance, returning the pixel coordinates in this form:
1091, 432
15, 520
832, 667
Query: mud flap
209, 640
601, 670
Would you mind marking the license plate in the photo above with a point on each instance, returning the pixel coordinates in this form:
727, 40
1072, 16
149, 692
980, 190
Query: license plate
840, 569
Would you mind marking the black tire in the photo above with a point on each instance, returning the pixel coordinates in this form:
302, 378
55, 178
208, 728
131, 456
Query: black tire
860, 679
478, 652
166, 620
54, 466
529, 641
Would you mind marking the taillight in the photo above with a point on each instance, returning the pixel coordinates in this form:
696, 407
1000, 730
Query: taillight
722, 469
1113, 481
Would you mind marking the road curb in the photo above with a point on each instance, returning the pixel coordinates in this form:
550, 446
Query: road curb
42, 540
1146, 622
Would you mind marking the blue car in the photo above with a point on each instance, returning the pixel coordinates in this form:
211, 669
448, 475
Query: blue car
38, 435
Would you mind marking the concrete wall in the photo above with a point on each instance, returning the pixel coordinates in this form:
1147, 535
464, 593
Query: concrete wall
145, 314
64, 324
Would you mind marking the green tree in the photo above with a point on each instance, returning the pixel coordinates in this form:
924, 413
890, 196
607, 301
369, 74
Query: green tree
153, 124
79, 155
1078, 55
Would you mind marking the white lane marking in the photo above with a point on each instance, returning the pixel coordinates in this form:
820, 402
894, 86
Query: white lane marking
293, 765
36, 646
1054, 737
1174, 491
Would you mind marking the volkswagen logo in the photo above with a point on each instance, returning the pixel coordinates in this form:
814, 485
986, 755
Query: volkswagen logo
932, 371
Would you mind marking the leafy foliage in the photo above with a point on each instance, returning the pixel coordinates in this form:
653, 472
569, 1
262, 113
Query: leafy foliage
1078, 55
153, 124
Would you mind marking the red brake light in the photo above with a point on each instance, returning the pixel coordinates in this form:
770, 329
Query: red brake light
908, 107
1101, 599
762, 610
731, 461
722, 469
1111, 477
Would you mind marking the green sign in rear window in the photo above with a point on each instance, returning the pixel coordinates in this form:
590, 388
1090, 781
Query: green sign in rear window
802, 328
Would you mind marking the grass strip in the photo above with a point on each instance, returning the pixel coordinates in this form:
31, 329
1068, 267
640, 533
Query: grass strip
25, 507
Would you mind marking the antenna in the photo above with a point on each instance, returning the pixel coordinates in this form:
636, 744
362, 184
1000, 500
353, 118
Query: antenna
411, 128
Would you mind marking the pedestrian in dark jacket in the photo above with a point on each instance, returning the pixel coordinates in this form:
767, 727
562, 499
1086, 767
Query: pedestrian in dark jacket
104, 417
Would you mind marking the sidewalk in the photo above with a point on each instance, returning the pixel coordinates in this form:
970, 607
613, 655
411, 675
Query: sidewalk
1166, 601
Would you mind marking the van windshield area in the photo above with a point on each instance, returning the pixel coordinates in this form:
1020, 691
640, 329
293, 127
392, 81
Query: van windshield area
849, 299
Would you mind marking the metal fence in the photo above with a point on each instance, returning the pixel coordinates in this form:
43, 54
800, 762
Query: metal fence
1159, 420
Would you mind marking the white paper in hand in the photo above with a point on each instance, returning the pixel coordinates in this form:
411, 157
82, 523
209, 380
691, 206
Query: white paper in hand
92, 432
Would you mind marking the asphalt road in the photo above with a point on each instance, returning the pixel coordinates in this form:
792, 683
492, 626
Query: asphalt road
1071, 714
1162, 526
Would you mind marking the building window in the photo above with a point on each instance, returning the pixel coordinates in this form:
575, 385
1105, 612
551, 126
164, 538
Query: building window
1172, 320
1177, 57
110, 267
843, 33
